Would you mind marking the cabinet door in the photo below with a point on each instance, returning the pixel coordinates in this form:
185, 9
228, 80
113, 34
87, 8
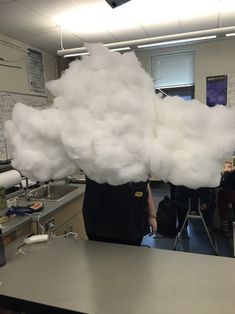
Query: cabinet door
61, 230
64, 214
76, 224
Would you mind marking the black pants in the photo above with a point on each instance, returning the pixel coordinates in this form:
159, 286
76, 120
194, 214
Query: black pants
94, 237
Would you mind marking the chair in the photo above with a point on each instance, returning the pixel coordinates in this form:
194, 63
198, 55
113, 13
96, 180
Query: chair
194, 215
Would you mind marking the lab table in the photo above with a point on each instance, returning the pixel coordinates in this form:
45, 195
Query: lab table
79, 276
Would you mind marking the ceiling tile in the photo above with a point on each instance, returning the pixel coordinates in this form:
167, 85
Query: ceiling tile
27, 19
103, 37
137, 32
68, 40
10, 29
227, 20
227, 13
164, 28
32, 20
48, 8
40, 43
5, 1
197, 24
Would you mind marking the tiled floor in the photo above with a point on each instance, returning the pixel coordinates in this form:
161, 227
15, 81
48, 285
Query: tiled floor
197, 242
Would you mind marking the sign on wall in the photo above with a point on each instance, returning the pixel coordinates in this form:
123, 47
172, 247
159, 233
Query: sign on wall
216, 90
231, 91
220, 90
35, 71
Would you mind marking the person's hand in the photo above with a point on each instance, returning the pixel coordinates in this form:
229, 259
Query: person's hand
153, 225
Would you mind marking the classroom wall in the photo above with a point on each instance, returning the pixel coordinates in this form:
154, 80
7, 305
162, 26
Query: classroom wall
211, 58
16, 79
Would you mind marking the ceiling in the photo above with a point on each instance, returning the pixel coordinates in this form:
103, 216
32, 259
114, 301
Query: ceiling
38, 22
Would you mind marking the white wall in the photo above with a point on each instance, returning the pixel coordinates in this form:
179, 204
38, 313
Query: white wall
212, 58
16, 79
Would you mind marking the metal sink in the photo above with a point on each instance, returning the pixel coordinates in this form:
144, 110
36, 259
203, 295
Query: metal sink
51, 192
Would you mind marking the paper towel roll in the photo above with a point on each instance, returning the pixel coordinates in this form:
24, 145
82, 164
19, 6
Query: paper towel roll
9, 178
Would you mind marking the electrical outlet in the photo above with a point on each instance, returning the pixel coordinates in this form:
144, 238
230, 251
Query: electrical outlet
49, 224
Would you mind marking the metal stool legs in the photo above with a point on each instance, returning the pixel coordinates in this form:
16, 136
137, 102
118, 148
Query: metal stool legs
197, 216
178, 236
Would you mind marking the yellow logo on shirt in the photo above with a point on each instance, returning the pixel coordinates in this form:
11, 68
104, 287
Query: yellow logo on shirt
138, 194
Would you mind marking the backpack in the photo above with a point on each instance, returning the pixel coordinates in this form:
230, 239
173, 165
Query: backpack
166, 217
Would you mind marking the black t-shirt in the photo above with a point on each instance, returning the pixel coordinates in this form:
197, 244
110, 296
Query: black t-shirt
228, 180
117, 212
182, 194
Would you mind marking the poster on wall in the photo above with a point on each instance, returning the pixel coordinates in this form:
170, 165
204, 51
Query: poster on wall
35, 71
216, 90
231, 91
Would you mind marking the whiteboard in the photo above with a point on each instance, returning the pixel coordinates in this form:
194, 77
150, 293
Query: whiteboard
7, 103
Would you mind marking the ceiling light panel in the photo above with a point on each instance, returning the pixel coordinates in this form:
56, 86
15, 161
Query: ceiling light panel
120, 49
85, 18
177, 41
95, 17
230, 34
76, 54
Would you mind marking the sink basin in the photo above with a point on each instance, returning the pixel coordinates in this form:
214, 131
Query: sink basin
52, 192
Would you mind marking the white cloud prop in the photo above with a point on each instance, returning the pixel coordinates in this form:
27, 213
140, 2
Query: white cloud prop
35, 144
107, 120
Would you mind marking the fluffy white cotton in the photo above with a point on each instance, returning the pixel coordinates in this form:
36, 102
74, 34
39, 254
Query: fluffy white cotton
193, 142
34, 138
107, 120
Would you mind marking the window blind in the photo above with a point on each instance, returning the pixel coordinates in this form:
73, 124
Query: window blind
173, 70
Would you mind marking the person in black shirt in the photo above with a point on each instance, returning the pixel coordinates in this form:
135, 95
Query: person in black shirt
118, 214
226, 197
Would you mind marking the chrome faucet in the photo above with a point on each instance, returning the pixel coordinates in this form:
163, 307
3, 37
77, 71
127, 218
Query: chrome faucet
26, 188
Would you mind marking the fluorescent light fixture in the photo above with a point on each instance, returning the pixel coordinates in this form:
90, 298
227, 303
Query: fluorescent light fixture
87, 53
120, 49
76, 54
160, 40
230, 34
163, 43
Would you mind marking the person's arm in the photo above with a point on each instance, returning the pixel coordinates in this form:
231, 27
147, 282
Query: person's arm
152, 212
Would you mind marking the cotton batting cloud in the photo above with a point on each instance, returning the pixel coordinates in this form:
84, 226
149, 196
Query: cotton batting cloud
107, 120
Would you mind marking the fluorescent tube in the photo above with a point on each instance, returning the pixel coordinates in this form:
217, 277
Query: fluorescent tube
120, 49
76, 54
176, 41
230, 34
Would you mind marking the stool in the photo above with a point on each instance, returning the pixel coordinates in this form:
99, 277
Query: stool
194, 215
